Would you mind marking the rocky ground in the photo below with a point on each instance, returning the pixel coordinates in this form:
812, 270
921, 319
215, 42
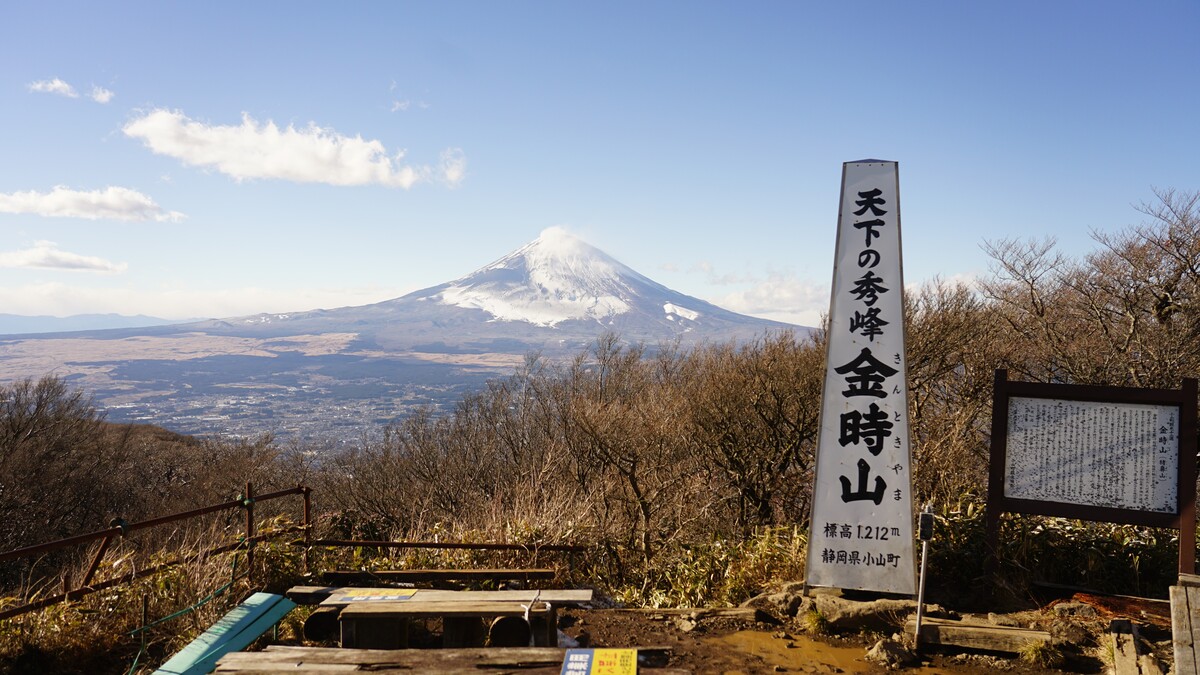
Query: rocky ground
829, 633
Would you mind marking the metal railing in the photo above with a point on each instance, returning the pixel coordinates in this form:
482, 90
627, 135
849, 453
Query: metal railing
120, 528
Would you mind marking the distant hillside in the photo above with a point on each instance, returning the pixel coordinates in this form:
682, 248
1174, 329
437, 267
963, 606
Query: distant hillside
16, 324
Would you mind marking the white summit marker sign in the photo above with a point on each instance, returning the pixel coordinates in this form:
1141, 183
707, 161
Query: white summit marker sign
861, 532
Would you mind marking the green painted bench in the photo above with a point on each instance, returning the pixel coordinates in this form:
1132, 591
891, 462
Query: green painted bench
233, 632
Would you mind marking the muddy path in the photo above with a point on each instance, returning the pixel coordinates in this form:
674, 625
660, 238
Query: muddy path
735, 647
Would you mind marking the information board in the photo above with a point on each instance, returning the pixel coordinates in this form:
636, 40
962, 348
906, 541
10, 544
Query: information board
1116, 455
1108, 454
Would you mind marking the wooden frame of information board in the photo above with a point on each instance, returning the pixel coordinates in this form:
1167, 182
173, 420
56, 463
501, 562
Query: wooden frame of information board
1182, 517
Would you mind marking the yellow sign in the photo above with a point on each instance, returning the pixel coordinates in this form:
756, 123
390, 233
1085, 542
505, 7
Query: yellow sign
600, 662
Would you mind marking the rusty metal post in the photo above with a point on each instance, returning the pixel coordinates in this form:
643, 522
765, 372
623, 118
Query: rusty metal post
87, 578
248, 502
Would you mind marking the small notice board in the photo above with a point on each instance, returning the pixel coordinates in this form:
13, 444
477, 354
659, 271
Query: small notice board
1109, 454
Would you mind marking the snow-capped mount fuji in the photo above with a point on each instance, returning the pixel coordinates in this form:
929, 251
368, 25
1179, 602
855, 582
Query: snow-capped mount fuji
556, 292
556, 278
559, 279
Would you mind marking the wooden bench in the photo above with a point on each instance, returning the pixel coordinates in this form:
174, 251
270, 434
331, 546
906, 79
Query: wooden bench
278, 659
236, 630
384, 625
323, 624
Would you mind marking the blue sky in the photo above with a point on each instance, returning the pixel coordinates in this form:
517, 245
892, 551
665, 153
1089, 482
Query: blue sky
226, 158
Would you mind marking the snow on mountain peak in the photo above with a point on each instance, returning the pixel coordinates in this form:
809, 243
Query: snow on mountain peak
557, 277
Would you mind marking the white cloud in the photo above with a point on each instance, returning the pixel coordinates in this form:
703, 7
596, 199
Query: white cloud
263, 150
116, 203
101, 95
400, 106
61, 88
781, 297
46, 255
55, 86
58, 299
453, 166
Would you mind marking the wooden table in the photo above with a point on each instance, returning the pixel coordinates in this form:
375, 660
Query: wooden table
343, 595
380, 617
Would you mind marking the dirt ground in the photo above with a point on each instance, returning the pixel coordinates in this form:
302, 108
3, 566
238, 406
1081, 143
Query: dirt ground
726, 646
734, 647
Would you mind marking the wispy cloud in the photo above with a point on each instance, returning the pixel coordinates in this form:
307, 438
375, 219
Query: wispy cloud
101, 95
453, 166
61, 88
55, 86
400, 106
781, 297
114, 203
263, 150
47, 255
710, 271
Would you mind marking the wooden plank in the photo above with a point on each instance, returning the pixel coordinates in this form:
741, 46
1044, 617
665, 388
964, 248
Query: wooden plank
236, 630
434, 608
312, 660
1124, 647
985, 637
346, 577
1193, 622
440, 668
309, 595
1183, 629
345, 596
1189, 579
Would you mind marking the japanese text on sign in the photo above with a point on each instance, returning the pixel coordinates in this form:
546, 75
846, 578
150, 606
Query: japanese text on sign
1116, 455
862, 505
863, 483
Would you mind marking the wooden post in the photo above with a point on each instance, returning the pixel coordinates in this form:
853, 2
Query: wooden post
306, 492
1187, 480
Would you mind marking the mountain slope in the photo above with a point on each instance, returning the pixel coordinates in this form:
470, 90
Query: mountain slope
555, 292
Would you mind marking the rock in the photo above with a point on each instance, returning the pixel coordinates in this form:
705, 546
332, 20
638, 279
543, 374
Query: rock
842, 615
1066, 632
1072, 608
566, 641
685, 625
984, 661
891, 654
787, 601
1002, 620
